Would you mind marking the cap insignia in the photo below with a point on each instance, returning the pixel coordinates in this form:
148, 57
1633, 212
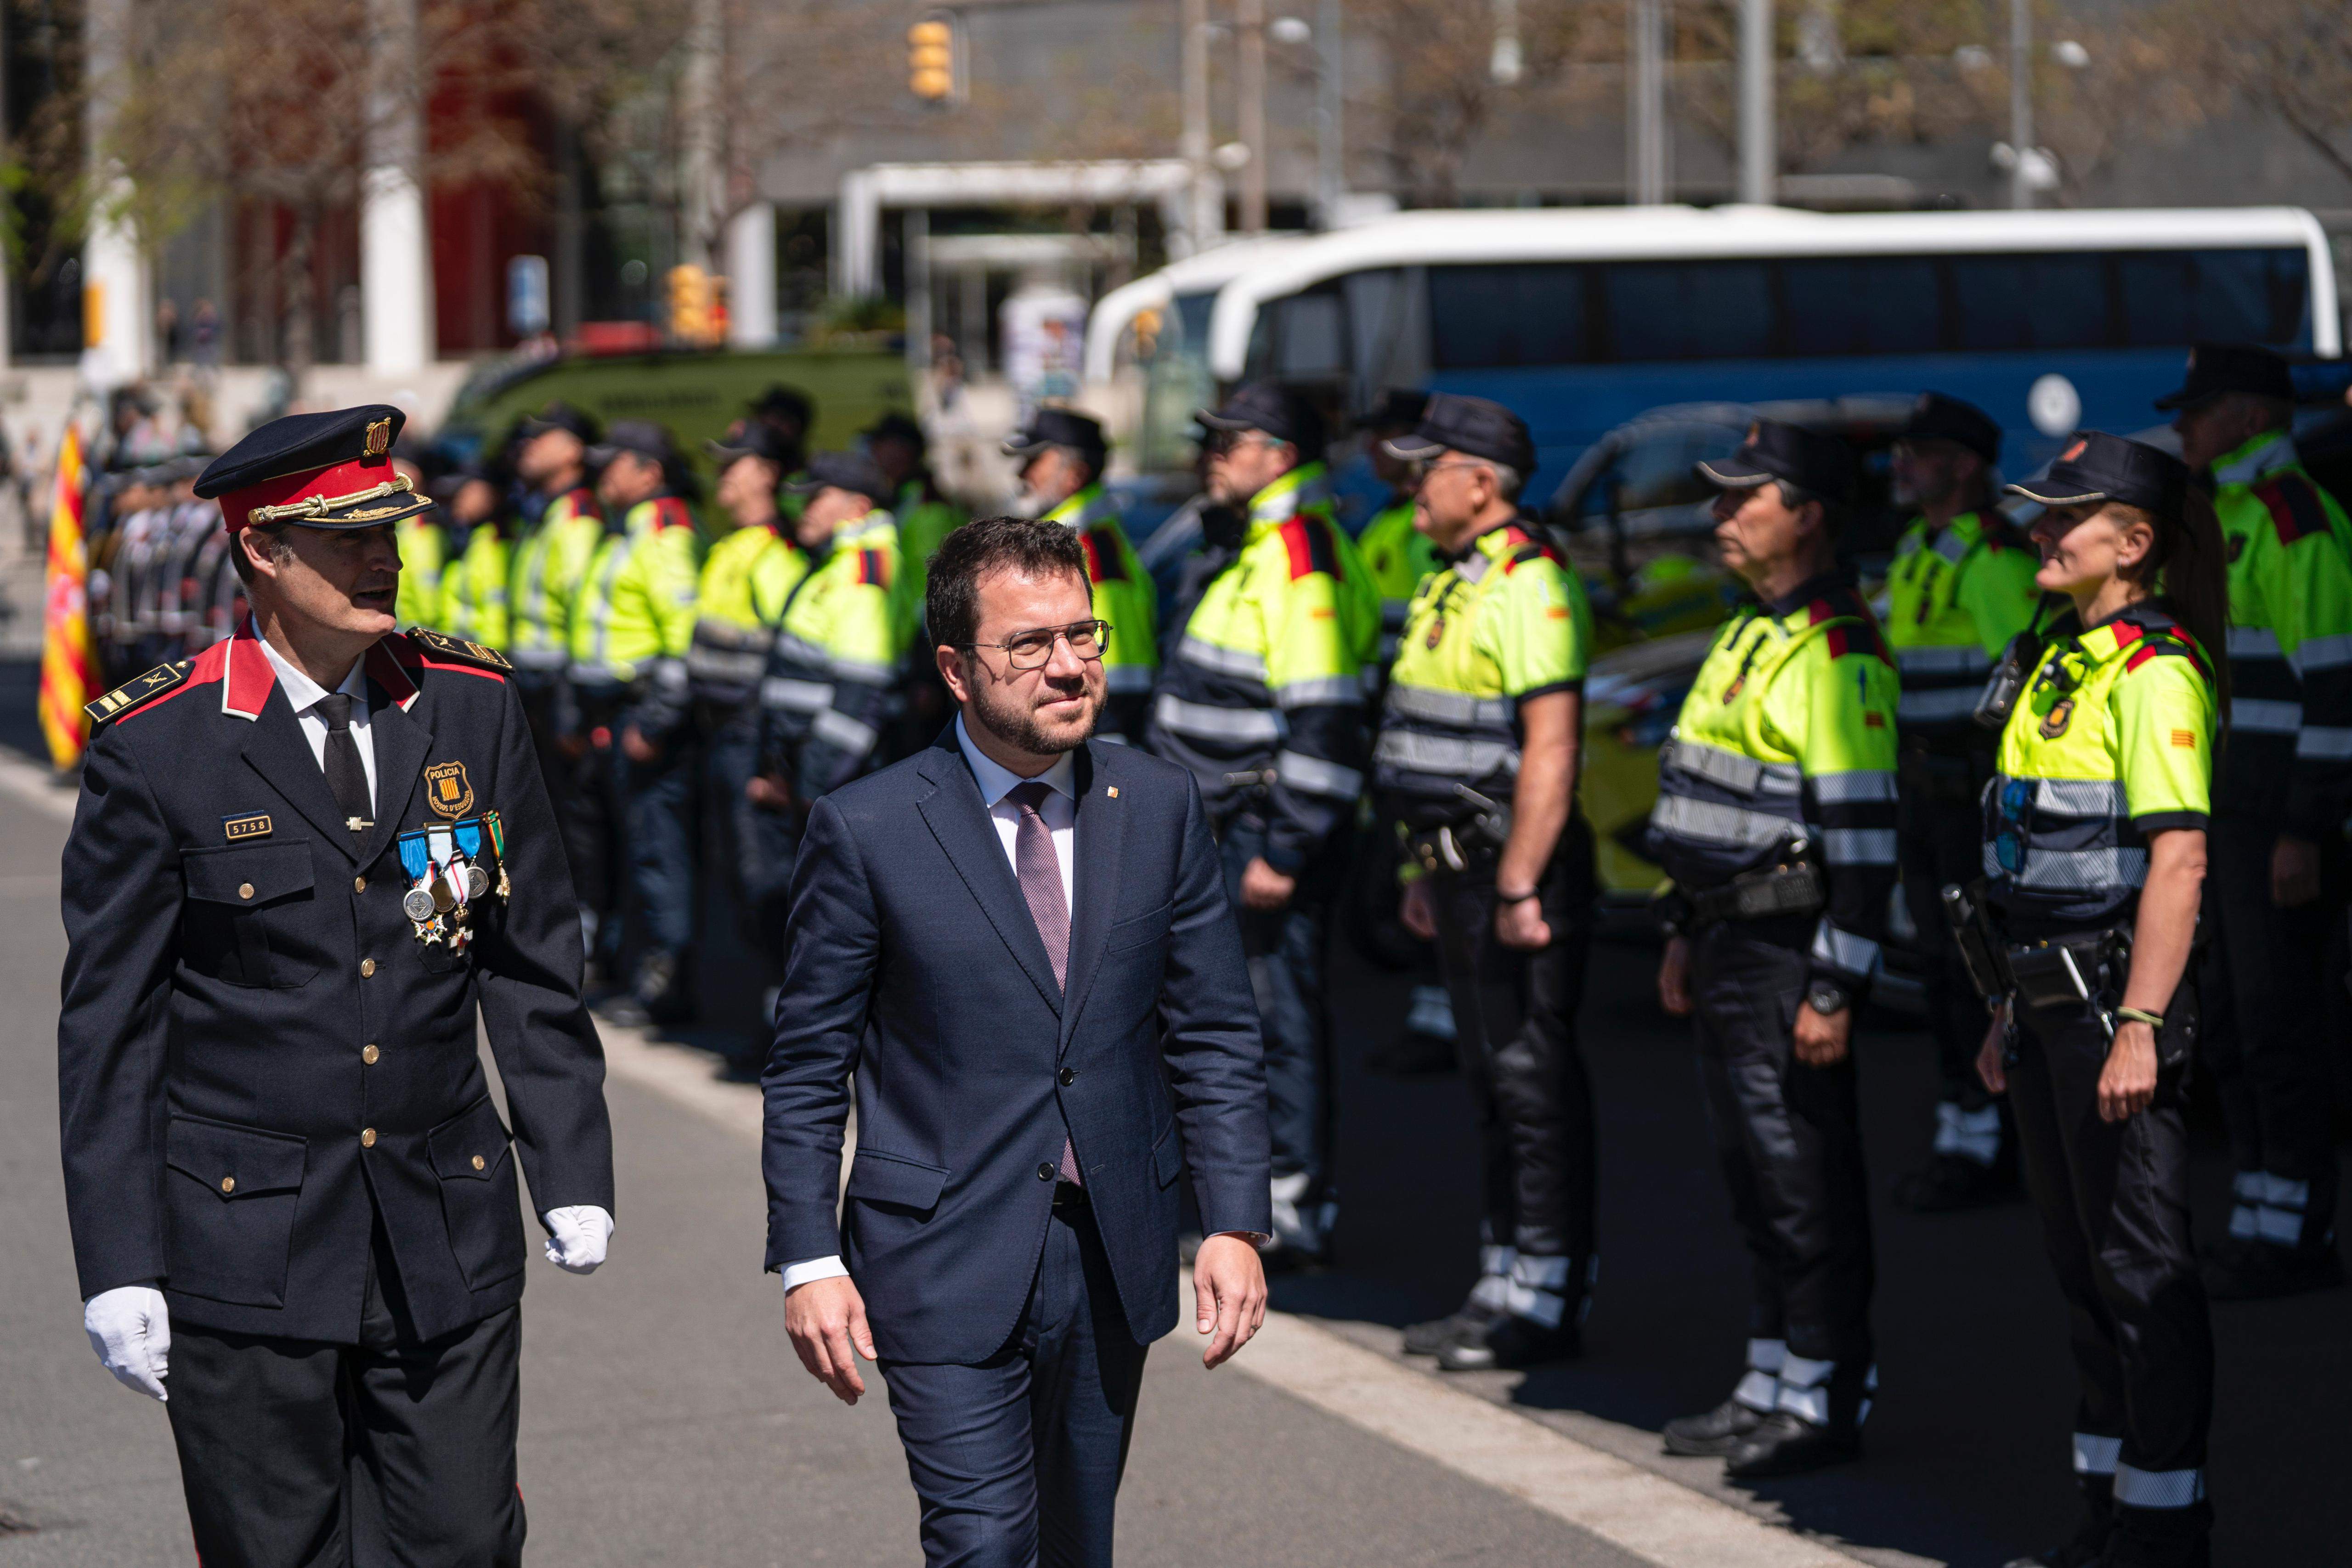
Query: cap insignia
378, 437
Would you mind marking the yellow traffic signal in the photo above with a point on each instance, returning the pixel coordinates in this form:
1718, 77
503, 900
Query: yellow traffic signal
930, 60
691, 316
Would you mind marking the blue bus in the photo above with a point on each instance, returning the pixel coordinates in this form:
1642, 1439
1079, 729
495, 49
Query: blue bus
1582, 319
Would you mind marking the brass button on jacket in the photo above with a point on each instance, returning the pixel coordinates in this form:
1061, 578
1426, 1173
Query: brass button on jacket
367, 967
359, 885
368, 1053
481, 1164
367, 1138
244, 890
228, 1184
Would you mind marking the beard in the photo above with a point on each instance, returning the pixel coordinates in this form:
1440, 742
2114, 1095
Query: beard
1016, 721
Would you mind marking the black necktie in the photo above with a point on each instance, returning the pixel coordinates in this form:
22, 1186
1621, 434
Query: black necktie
346, 774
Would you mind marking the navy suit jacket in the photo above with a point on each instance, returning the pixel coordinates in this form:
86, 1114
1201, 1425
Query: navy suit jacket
912, 963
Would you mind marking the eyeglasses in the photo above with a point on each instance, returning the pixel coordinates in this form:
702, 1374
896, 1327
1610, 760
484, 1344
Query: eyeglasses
1224, 443
1032, 650
1424, 467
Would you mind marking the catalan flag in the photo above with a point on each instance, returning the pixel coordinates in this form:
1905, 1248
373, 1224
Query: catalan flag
67, 666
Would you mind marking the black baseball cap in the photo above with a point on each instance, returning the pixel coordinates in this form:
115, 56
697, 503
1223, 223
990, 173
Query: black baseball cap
562, 415
1400, 408
896, 426
1935, 417
1275, 411
753, 438
789, 401
1805, 458
2216, 367
851, 471
2096, 466
1059, 427
642, 436
1473, 426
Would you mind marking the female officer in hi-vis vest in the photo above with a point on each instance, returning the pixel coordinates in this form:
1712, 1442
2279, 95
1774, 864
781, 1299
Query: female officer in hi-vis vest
2094, 856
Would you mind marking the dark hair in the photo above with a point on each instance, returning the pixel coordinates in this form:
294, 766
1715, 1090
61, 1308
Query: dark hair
1834, 513
1029, 546
2187, 568
279, 548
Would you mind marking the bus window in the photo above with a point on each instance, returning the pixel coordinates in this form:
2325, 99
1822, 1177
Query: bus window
1310, 336
1690, 311
1861, 305
2215, 295
2054, 301
1483, 317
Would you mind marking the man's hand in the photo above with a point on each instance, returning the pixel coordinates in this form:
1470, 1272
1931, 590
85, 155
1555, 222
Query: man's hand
576, 1237
1418, 909
826, 1318
1229, 1295
1821, 1038
2127, 1082
1263, 887
1992, 1067
1519, 923
2294, 872
637, 747
1674, 977
132, 1332
767, 793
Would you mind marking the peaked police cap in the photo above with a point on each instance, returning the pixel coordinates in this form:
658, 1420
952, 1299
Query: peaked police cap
330, 470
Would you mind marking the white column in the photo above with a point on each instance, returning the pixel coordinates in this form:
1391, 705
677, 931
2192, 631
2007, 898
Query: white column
396, 252
858, 238
1759, 150
118, 296
751, 277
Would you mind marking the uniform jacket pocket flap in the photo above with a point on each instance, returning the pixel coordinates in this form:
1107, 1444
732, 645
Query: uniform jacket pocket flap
887, 1178
248, 875
1167, 1157
469, 1144
235, 1162
1134, 932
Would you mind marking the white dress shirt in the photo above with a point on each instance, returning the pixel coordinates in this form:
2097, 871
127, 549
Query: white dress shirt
302, 694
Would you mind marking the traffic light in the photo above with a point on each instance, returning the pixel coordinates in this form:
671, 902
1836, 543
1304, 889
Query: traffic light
691, 313
930, 60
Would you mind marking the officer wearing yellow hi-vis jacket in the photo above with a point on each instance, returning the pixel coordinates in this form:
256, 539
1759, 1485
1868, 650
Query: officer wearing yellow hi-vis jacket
1775, 820
1397, 554
1262, 698
1477, 759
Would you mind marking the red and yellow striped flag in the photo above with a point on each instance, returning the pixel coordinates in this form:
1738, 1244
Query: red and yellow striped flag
67, 666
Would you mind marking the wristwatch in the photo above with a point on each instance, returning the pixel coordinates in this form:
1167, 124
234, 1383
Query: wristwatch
1827, 998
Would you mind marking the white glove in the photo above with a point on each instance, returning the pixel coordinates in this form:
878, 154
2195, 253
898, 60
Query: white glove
576, 1237
132, 1332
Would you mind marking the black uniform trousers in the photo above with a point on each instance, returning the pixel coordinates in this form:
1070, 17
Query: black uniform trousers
1016, 1461
393, 1451
1515, 1016
2114, 1201
2267, 1040
1939, 839
1790, 1140
756, 844
596, 809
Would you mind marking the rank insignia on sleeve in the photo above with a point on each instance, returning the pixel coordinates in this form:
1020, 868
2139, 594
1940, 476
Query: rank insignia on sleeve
447, 789
132, 693
246, 825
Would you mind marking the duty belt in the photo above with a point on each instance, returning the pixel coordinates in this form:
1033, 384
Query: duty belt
1795, 889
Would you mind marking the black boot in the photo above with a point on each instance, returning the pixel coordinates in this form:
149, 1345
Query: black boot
1817, 1423
1429, 1338
1949, 1184
2161, 1538
2259, 1270
1712, 1433
2087, 1546
1508, 1343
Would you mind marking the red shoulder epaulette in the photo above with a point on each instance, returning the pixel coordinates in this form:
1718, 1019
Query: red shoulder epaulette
872, 567
584, 504
2295, 506
1309, 540
1849, 639
1104, 563
669, 512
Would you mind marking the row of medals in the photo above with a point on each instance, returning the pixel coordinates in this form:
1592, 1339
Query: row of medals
440, 903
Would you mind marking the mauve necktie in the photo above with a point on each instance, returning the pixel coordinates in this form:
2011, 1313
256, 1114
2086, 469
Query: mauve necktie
1040, 871
346, 774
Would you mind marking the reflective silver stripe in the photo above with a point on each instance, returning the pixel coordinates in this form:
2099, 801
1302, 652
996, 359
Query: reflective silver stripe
1936, 707
600, 608
2079, 871
1854, 954
1804, 1388
1314, 775
1416, 752
1741, 775
2264, 715
1225, 661
1129, 677
2326, 742
2279, 1226
1859, 846
839, 730
2253, 642
2079, 797
796, 696
1431, 706
1218, 722
801, 650
581, 673
1349, 689
1705, 822
542, 658
2158, 1488
2095, 1456
1768, 1356
1853, 788
1760, 1391
711, 664
725, 636
1951, 546
2324, 653
1959, 659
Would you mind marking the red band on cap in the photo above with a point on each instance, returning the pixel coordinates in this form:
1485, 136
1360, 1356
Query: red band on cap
337, 479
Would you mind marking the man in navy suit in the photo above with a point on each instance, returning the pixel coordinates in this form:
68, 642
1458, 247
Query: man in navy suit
1018, 942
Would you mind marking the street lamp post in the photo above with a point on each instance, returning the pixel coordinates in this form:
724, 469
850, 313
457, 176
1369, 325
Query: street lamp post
1249, 25
2021, 101
1645, 107
1758, 150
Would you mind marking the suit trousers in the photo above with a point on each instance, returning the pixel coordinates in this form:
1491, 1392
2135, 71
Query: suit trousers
2267, 1040
1515, 1012
395, 1452
1016, 1461
2113, 1200
1789, 1137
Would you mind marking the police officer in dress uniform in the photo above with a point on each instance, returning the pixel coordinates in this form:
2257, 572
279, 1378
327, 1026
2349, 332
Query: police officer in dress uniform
2281, 794
1262, 698
2093, 838
1477, 757
300, 861
1961, 587
1061, 452
1776, 821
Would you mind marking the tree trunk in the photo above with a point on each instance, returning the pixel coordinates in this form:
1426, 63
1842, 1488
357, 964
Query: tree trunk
302, 296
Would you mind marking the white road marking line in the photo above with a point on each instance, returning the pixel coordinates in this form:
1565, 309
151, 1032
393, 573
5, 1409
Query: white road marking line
1632, 1508
32, 785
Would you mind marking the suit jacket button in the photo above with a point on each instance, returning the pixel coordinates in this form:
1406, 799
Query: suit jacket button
244, 890
359, 885
368, 1053
1045, 1173
367, 967
1069, 1076
367, 1138
228, 1184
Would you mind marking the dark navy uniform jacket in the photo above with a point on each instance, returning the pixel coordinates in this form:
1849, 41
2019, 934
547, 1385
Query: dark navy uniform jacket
228, 1131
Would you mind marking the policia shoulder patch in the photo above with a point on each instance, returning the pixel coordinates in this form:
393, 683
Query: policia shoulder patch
132, 693
443, 646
